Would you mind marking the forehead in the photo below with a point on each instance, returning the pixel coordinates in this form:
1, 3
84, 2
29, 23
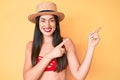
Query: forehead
46, 16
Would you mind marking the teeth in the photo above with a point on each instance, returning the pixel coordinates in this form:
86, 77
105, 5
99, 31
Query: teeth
47, 29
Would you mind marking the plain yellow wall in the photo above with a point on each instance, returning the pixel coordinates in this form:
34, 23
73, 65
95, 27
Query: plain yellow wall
82, 17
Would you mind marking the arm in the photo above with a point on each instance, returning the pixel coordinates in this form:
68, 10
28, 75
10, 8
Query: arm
33, 73
80, 71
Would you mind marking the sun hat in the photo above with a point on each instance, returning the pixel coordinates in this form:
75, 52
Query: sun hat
46, 8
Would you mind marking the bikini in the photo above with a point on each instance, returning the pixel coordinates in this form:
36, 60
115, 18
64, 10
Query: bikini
51, 66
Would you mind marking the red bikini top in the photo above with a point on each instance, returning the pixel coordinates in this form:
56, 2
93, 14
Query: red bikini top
51, 66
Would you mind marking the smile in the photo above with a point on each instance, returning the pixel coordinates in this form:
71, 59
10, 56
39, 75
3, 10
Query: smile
47, 29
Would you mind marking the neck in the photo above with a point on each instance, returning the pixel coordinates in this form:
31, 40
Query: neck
47, 39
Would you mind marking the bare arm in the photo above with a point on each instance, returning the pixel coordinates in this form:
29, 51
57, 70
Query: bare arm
34, 73
80, 71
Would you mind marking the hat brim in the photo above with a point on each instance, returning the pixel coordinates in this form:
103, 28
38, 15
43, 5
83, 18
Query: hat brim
32, 17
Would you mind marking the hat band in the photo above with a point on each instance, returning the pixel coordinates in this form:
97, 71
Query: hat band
47, 11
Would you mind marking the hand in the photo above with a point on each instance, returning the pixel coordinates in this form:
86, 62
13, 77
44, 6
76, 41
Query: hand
58, 51
93, 38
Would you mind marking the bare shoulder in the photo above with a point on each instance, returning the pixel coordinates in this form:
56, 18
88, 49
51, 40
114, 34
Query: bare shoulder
69, 45
69, 42
29, 44
29, 47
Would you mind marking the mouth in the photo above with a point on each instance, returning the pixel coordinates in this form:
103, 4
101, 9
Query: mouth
47, 29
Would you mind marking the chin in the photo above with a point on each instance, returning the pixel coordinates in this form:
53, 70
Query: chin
48, 35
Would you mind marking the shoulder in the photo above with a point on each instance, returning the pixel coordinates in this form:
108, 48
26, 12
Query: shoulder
29, 44
69, 43
29, 47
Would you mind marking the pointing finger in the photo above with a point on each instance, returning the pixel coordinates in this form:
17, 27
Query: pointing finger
62, 43
98, 30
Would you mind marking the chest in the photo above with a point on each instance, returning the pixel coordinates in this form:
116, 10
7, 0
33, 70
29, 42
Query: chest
45, 49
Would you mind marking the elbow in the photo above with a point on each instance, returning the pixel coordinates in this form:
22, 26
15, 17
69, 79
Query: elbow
26, 77
80, 76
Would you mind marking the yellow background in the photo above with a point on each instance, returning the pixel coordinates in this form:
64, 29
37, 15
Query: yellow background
82, 17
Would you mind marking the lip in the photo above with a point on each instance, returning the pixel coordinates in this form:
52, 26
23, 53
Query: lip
47, 29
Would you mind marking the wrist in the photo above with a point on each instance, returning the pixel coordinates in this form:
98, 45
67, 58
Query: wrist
51, 56
90, 50
91, 47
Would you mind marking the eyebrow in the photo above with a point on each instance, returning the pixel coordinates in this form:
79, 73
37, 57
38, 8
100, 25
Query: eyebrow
49, 18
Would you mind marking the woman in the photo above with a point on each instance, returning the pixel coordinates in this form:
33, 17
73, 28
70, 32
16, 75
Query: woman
48, 55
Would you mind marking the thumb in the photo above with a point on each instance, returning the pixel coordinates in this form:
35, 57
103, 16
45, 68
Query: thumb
63, 42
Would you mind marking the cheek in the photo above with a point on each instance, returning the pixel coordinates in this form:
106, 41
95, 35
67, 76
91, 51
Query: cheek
54, 29
40, 27
41, 24
53, 25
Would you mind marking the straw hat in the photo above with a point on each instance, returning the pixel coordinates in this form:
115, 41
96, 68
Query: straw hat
46, 8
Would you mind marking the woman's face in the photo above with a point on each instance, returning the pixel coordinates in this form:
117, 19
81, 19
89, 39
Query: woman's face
47, 25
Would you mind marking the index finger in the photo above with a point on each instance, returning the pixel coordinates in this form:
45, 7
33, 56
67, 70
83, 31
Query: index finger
63, 42
98, 29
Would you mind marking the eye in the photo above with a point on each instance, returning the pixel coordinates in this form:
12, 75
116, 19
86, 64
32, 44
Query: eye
52, 20
42, 20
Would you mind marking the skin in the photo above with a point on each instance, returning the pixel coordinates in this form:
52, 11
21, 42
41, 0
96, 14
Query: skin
79, 71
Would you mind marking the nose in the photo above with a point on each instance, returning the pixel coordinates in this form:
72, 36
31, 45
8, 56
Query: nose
47, 24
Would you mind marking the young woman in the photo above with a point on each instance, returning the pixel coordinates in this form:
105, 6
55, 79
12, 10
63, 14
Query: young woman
48, 55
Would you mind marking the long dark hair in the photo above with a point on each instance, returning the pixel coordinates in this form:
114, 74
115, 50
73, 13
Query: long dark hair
38, 40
